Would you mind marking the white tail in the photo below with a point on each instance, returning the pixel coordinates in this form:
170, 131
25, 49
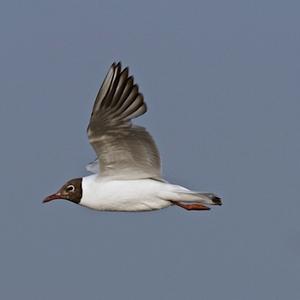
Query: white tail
178, 193
204, 198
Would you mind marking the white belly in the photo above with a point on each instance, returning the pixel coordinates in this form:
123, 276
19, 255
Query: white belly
122, 195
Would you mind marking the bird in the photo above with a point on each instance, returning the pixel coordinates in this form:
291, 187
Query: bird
126, 175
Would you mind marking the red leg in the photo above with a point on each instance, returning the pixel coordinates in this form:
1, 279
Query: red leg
192, 206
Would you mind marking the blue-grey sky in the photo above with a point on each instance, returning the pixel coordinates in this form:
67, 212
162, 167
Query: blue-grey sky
221, 80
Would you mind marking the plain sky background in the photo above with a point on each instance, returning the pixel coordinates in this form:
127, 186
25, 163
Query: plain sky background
221, 80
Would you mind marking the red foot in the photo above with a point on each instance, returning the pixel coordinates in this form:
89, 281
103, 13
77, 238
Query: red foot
193, 206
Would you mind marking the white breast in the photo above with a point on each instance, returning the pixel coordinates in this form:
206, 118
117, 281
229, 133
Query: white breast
122, 195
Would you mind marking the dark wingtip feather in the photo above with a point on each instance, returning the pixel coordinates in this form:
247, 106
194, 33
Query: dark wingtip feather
113, 65
216, 200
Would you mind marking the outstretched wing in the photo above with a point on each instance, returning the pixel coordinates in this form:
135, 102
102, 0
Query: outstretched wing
125, 151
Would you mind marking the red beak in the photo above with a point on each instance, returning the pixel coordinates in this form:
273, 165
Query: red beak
52, 197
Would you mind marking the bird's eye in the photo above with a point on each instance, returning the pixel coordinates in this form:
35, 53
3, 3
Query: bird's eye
70, 188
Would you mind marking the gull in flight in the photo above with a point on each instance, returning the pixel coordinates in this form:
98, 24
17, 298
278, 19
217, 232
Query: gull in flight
127, 171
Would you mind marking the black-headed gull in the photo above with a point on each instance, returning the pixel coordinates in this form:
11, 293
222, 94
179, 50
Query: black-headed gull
127, 172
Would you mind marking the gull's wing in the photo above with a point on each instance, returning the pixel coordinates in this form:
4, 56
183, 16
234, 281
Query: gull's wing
125, 151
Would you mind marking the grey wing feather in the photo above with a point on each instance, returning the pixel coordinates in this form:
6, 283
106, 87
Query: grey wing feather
93, 166
125, 151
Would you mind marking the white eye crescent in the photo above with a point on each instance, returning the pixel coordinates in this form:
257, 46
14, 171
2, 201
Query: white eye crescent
70, 188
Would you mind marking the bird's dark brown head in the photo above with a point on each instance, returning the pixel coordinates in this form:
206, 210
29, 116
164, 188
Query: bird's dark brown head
71, 191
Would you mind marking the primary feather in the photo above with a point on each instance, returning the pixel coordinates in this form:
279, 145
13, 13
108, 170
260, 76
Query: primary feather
125, 151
